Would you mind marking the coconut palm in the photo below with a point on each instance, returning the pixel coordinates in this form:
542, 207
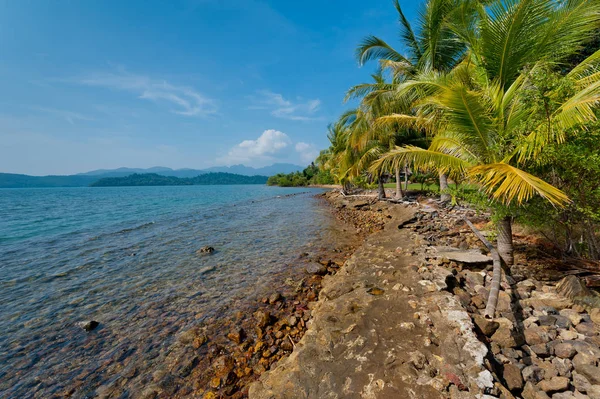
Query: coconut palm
477, 109
433, 46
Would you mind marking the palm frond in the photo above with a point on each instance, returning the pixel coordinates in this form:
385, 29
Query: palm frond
406, 32
420, 159
509, 184
373, 48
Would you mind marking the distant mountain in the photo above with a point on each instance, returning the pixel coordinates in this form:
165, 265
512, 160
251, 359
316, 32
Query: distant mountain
11, 180
153, 179
264, 171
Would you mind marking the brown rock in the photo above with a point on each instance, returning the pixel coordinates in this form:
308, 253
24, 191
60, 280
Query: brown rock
542, 350
506, 336
237, 335
555, 384
587, 328
536, 335
595, 315
486, 326
532, 392
591, 372
263, 318
512, 376
275, 297
223, 365
565, 350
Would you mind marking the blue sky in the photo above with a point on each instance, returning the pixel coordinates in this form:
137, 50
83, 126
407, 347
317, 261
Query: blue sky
103, 84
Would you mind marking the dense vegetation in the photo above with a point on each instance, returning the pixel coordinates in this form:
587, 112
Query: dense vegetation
311, 175
499, 95
153, 179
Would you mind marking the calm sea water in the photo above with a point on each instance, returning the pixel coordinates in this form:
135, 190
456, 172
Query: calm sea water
127, 258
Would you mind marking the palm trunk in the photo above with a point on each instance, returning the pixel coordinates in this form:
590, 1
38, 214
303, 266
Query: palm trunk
399, 193
445, 197
505, 242
381, 188
405, 177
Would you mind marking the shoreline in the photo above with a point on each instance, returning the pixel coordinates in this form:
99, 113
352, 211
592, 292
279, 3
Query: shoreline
404, 318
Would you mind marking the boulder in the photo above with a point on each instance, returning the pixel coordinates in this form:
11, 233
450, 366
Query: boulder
555, 384
536, 335
581, 383
595, 315
587, 328
506, 336
532, 392
565, 350
512, 376
486, 326
591, 372
571, 287
573, 316
460, 255
533, 374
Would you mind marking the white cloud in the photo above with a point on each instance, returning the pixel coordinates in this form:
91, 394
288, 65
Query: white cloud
69, 116
183, 100
308, 152
281, 107
264, 149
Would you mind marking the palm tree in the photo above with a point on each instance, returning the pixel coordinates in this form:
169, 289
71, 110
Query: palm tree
482, 128
434, 46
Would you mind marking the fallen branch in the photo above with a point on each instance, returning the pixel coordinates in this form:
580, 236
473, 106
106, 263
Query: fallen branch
490, 308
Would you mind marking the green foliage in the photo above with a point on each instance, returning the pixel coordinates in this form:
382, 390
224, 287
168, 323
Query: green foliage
310, 175
153, 179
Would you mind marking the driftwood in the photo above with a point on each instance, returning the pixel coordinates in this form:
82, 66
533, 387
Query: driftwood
490, 308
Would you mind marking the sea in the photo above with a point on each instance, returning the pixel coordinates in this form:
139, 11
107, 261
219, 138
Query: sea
128, 257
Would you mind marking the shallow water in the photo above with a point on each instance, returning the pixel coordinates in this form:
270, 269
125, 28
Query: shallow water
127, 258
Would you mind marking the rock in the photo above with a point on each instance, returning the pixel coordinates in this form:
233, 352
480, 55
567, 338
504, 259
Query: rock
237, 335
292, 321
565, 350
555, 384
536, 335
207, 250
546, 320
506, 336
571, 287
223, 365
573, 316
512, 376
459, 255
541, 350
316, 268
478, 301
418, 360
582, 359
563, 366
531, 392
591, 372
199, 341
594, 392
275, 297
486, 326
564, 395
581, 383
587, 328
88, 325
533, 374
263, 318
595, 315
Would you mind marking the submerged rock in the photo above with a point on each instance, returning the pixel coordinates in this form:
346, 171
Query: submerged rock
88, 325
205, 250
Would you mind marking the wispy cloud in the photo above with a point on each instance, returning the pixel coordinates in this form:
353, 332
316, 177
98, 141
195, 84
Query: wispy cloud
281, 107
184, 100
69, 116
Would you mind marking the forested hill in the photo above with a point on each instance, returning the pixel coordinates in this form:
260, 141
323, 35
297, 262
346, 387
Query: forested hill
153, 179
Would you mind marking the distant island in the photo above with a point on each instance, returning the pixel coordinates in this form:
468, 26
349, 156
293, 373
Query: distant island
154, 179
13, 180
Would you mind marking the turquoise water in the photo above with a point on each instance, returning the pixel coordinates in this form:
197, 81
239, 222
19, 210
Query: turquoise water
127, 258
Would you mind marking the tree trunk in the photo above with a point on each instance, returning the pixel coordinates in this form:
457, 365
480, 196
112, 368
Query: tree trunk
405, 177
505, 241
399, 193
381, 188
445, 197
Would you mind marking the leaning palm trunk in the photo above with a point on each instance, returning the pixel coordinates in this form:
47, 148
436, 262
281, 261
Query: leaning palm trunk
445, 197
505, 242
490, 308
381, 188
405, 177
399, 193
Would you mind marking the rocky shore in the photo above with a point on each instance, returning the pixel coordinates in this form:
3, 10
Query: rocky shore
403, 317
